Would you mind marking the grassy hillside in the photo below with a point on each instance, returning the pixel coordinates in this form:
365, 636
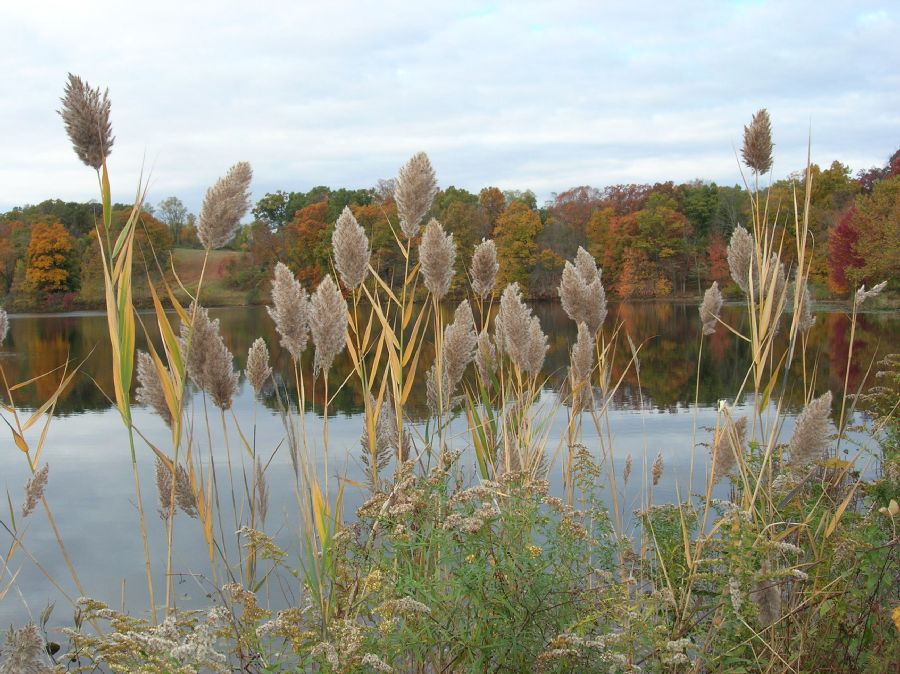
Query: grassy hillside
189, 264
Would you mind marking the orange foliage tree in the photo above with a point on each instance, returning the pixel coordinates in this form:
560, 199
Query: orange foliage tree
514, 236
51, 258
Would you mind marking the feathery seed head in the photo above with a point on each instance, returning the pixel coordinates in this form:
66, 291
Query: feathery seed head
484, 268
582, 364
34, 490
224, 205
258, 370
757, 149
437, 255
710, 308
741, 253
627, 472
485, 357
163, 489
862, 294
149, 391
85, 113
327, 323
209, 362
439, 399
581, 291
4, 325
519, 333
415, 191
657, 470
459, 343
810, 438
290, 311
351, 249
24, 652
728, 446
806, 320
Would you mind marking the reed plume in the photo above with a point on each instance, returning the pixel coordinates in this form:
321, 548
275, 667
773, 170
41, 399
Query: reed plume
262, 492
741, 253
34, 490
580, 369
862, 294
376, 455
164, 490
258, 370
149, 391
24, 652
485, 357
184, 495
4, 325
209, 362
710, 308
439, 399
728, 446
484, 268
658, 467
415, 190
351, 249
810, 438
581, 291
626, 473
224, 205
518, 332
459, 343
327, 323
437, 255
757, 149
806, 319
85, 113
290, 311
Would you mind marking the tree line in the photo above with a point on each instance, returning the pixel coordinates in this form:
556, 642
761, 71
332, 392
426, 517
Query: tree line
653, 241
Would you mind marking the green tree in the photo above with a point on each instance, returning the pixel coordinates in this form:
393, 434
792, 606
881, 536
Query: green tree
174, 214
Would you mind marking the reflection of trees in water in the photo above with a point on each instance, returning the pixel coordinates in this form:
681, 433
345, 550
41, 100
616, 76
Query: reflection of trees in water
669, 335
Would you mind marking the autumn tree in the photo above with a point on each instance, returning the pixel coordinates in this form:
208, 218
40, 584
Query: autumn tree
717, 259
493, 202
173, 213
307, 241
515, 234
51, 258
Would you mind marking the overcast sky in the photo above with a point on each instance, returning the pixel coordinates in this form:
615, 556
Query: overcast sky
522, 95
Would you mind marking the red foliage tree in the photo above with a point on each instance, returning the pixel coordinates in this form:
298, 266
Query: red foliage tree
841, 256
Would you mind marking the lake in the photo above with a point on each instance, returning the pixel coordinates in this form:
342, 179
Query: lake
91, 492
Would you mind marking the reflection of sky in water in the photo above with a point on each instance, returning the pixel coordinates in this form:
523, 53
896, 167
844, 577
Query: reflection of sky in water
91, 490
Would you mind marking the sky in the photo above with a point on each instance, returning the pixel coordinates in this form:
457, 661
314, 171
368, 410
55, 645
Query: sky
522, 95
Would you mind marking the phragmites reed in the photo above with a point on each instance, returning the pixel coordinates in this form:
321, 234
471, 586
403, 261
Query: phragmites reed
327, 323
149, 391
484, 268
85, 113
184, 495
437, 255
710, 308
626, 473
728, 446
439, 399
290, 311
741, 252
224, 205
581, 291
657, 470
415, 190
485, 357
766, 594
34, 490
519, 333
757, 149
806, 319
582, 364
209, 362
376, 451
810, 438
459, 343
24, 652
262, 491
258, 370
4, 325
164, 490
862, 294
351, 249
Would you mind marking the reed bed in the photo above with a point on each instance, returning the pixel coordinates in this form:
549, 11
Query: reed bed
796, 572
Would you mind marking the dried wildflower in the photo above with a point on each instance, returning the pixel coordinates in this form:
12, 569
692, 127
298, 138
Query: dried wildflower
24, 652
4, 325
85, 113
757, 149
734, 589
710, 308
224, 205
327, 323
290, 311
149, 391
484, 268
862, 294
485, 357
580, 368
459, 343
627, 472
581, 291
741, 253
519, 333
415, 190
373, 661
351, 249
658, 467
810, 438
804, 310
34, 490
258, 370
728, 446
437, 255
210, 364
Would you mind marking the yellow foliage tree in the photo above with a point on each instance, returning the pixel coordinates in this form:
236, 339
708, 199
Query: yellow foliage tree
50, 258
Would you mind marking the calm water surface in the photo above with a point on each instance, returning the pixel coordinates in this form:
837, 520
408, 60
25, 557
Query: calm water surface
91, 492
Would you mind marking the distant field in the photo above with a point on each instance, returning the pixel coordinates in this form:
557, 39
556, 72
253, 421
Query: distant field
189, 264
